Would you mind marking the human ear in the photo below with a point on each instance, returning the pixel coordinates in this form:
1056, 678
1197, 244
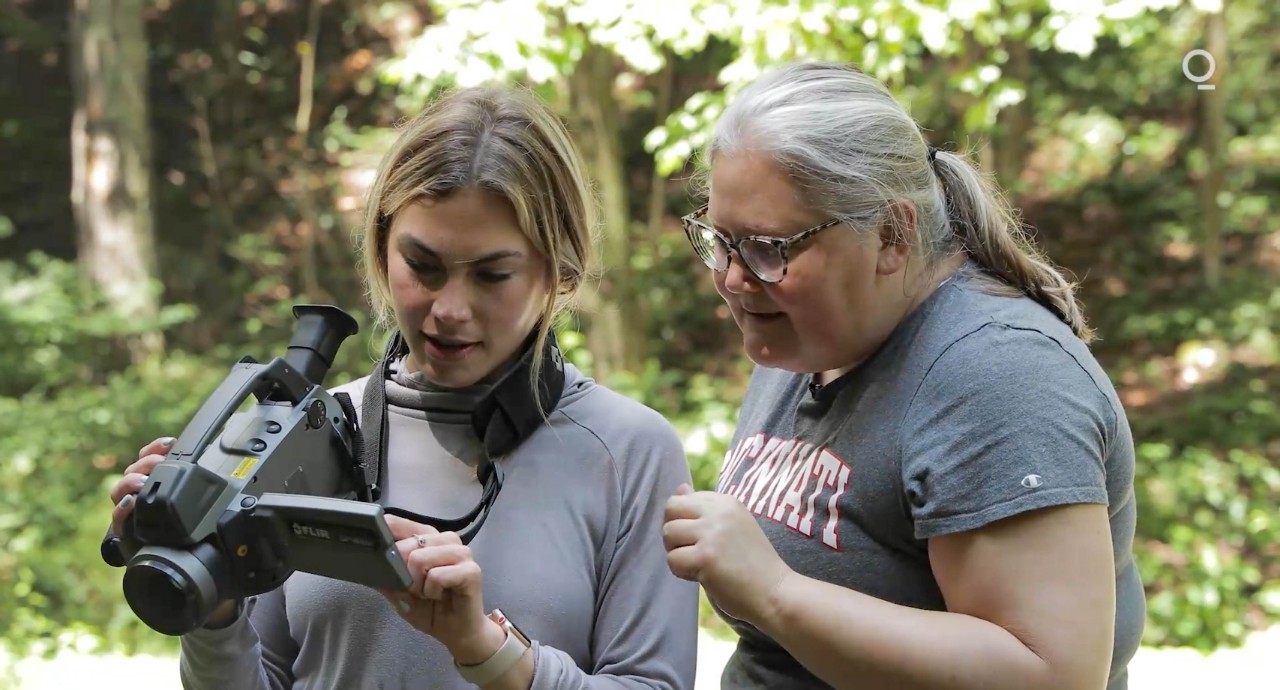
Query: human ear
898, 235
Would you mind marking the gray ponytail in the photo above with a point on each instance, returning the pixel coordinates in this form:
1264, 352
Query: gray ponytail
990, 232
851, 150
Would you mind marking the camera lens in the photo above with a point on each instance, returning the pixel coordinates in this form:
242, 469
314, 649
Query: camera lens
160, 596
171, 591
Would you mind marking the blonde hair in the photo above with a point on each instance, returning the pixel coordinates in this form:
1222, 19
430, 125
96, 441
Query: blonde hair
852, 150
503, 140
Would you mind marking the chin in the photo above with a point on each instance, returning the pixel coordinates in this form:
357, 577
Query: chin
448, 376
767, 354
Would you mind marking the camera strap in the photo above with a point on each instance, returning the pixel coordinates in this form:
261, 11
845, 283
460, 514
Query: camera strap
502, 419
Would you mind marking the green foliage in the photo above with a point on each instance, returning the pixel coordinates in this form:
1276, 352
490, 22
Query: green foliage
254, 215
52, 329
67, 429
1207, 494
1214, 572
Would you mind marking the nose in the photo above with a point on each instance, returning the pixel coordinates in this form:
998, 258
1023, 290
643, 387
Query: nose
452, 303
737, 279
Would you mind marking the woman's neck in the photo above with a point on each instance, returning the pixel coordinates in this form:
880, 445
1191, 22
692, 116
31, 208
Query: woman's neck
927, 283
410, 389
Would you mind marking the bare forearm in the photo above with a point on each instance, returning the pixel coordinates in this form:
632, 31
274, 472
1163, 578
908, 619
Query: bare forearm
851, 640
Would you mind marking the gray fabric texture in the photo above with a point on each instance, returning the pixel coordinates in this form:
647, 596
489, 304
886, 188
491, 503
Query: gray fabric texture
977, 408
572, 552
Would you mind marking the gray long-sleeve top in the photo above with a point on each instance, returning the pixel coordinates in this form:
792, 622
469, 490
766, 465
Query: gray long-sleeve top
572, 552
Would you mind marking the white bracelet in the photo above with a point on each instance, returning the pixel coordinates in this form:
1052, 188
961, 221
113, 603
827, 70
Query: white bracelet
495, 666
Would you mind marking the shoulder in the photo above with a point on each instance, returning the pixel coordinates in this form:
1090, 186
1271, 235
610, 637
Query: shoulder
1013, 347
1009, 361
613, 418
624, 428
1008, 351
1008, 418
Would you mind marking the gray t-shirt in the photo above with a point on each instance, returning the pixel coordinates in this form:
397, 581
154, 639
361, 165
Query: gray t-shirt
977, 408
572, 552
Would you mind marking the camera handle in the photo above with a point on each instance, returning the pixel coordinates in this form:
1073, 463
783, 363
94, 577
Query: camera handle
276, 380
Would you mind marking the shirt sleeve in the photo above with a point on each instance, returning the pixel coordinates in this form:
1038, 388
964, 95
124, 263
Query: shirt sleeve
255, 652
646, 626
1005, 421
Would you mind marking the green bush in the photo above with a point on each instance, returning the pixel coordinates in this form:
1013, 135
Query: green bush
1209, 536
61, 453
70, 422
74, 410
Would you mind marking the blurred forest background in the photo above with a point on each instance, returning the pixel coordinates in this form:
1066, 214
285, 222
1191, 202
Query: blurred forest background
176, 174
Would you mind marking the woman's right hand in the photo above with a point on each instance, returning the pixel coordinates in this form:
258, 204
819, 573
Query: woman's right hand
126, 490
123, 495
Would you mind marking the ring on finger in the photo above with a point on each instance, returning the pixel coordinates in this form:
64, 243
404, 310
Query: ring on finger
422, 540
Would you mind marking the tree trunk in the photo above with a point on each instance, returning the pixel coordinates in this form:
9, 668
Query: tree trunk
1014, 122
308, 182
111, 160
663, 103
971, 137
616, 332
1214, 111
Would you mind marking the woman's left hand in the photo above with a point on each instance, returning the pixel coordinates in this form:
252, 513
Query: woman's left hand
445, 599
712, 538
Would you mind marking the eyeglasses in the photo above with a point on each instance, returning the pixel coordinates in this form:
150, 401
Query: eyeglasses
765, 257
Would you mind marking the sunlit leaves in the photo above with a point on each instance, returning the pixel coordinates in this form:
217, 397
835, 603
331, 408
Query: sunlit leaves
538, 41
685, 131
534, 40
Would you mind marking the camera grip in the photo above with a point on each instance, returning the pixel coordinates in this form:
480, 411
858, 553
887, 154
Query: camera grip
116, 550
110, 549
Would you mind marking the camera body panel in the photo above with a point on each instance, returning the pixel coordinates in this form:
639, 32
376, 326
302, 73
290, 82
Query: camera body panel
245, 498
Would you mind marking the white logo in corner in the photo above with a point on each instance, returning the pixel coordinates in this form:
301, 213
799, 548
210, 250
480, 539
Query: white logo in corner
1032, 481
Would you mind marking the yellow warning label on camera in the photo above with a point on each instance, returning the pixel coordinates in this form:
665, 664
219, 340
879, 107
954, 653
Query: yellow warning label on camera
242, 470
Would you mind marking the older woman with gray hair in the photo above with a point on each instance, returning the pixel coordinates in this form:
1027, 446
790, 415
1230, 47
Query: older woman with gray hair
931, 482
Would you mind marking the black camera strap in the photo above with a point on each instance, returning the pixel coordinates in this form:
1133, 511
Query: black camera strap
502, 419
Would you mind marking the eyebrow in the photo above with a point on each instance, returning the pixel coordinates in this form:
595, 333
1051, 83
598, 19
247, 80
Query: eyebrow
745, 230
410, 243
753, 229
